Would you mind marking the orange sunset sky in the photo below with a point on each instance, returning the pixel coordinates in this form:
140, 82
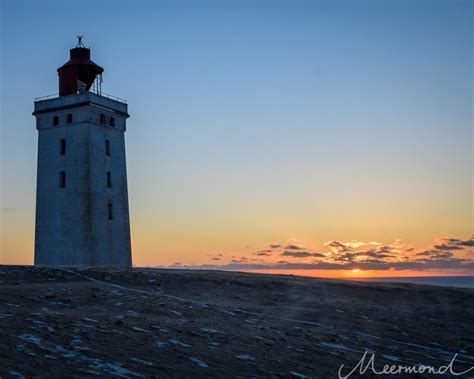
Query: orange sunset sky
314, 138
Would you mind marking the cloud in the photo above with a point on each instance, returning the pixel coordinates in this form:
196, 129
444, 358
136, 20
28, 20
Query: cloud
374, 254
301, 254
345, 257
443, 254
457, 242
426, 252
293, 247
373, 264
263, 253
336, 246
240, 260
350, 252
444, 246
469, 242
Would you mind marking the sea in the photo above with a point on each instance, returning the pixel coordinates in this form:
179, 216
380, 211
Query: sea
447, 281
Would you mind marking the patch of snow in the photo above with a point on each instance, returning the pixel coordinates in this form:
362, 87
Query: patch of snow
139, 329
47, 346
178, 343
114, 369
64, 352
337, 346
245, 357
298, 375
89, 319
368, 335
16, 374
212, 331
366, 318
30, 338
230, 313
198, 362
138, 360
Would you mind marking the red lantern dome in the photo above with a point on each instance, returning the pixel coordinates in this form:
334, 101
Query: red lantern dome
78, 74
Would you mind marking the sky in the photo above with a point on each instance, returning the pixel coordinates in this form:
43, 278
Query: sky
327, 138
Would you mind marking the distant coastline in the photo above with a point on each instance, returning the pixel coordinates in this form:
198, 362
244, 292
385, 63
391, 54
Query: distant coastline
460, 281
445, 281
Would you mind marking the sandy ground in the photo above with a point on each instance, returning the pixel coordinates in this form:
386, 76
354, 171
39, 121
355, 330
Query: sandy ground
179, 323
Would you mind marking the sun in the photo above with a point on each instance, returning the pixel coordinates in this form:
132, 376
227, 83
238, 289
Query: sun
356, 270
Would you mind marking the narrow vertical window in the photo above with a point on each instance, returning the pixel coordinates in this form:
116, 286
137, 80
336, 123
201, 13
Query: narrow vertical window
112, 121
107, 147
55, 120
102, 118
62, 179
110, 211
69, 118
109, 179
62, 147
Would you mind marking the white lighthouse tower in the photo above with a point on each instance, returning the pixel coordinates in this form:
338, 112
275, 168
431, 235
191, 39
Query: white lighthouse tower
82, 216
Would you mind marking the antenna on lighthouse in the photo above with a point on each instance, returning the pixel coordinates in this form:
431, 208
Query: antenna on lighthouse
79, 41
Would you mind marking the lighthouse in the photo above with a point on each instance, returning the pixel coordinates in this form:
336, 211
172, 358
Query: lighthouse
82, 214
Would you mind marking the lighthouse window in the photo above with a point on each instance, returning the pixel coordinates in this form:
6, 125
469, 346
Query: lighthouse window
55, 120
110, 211
62, 147
107, 147
112, 121
109, 179
102, 118
69, 118
62, 179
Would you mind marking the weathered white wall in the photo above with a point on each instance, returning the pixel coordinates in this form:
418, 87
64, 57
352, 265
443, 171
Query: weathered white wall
72, 225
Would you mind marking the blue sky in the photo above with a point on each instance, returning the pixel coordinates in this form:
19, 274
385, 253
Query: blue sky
258, 121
